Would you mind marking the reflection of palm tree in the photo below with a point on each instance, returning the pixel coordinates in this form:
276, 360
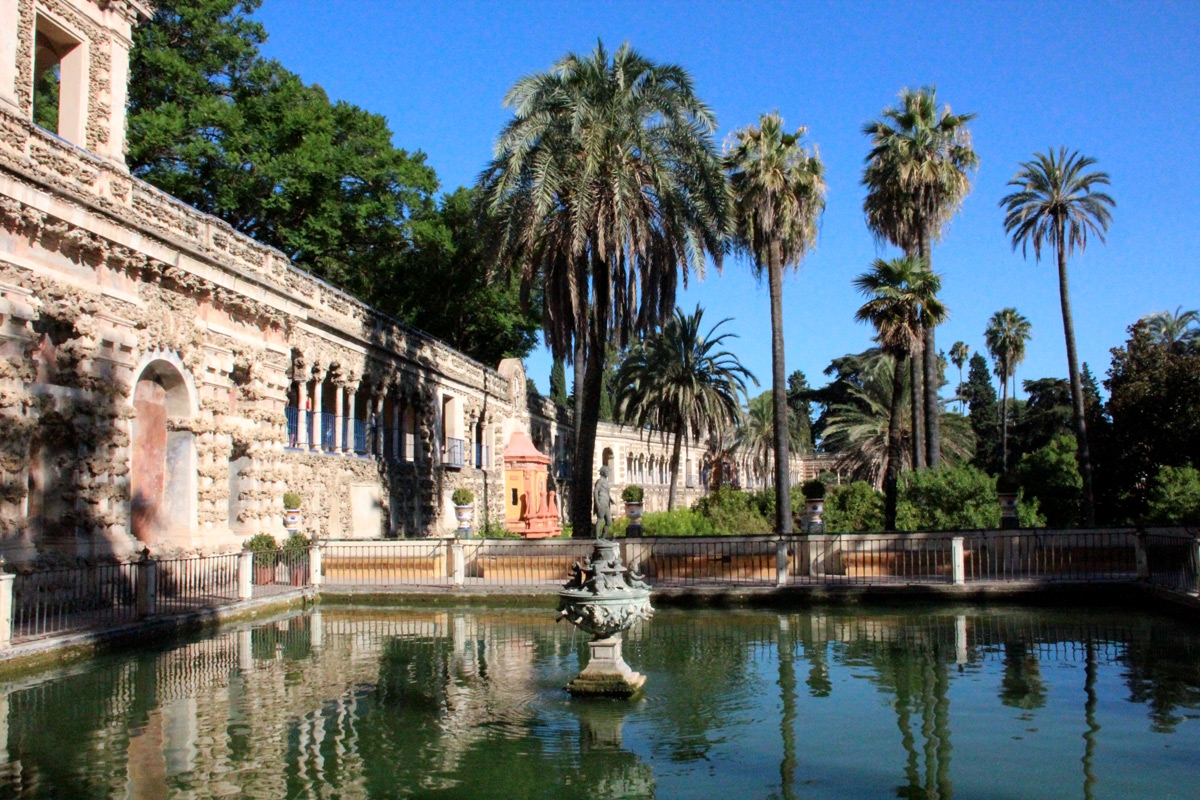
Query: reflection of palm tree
1093, 727
1022, 686
787, 720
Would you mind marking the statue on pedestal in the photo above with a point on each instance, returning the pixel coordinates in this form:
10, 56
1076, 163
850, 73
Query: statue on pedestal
603, 503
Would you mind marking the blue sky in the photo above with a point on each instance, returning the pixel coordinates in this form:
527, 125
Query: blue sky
1118, 82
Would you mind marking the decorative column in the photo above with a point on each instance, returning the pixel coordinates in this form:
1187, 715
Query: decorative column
397, 441
352, 397
315, 444
303, 403
339, 427
376, 446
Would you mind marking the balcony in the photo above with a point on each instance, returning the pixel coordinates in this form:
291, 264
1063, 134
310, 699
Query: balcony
453, 454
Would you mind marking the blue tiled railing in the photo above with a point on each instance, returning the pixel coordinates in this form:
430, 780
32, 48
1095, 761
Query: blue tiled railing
454, 452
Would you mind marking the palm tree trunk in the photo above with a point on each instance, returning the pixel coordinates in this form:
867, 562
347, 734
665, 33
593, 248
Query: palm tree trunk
674, 470
585, 439
1081, 437
783, 485
933, 427
1003, 417
915, 395
891, 478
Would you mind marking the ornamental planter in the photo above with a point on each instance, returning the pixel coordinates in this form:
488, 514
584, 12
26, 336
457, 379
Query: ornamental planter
1008, 511
634, 512
292, 519
464, 514
815, 508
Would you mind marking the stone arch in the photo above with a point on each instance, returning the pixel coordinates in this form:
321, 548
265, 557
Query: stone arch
162, 492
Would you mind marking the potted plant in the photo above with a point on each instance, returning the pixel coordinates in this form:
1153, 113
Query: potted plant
632, 496
266, 557
1007, 490
464, 507
291, 512
814, 505
295, 555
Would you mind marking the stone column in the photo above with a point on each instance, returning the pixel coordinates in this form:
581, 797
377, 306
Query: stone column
339, 428
6, 609
397, 442
245, 575
376, 445
352, 398
958, 565
315, 444
303, 403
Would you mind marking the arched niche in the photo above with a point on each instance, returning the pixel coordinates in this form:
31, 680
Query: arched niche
162, 491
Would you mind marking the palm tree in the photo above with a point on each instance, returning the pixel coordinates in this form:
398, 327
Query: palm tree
677, 382
755, 438
1006, 334
1057, 203
959, 353
779, 194
1180, 329
606, 187
916, 179
903, 302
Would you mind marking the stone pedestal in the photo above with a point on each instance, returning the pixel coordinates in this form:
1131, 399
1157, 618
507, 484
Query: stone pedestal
607, 674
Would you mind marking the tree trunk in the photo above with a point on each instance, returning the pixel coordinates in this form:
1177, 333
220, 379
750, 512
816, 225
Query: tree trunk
891, 478
783, 484
933, 411
1003, 416
580, 368
585, 441
674, 470
1077, 414
916, 407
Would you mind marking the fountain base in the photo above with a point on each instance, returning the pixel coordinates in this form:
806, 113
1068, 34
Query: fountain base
606, 674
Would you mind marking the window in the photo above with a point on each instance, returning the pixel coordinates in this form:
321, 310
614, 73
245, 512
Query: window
60, 81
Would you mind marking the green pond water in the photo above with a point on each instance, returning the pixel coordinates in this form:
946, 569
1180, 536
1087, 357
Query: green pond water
829, 703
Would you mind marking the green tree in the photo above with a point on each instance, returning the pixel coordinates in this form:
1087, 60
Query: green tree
800, 410
1006, 334
449, 292
902, 303
779, 195
755, 435
1174, 497
1057, 202
959, 353
605, 188
1180, 329
1047, 414
236, 135
984, 414
558, 384
678, 383
955, 497
1051, 475
916, 177
1154, 405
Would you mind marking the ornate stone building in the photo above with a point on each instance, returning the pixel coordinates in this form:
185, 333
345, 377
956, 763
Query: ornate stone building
165, 379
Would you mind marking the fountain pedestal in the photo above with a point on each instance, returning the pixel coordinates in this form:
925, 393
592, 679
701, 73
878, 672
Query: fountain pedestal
605, 599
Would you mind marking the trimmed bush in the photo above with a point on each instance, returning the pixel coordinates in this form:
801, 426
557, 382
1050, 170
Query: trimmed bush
462, 497
853, 508
813, 490
736, 513
632, 493
261, 543
291, 501
958, 497
297, 542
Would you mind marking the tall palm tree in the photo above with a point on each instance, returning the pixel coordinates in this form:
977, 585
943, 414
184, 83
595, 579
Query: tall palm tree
779, 194
1057, 202
959, 353
755, 438
1006, 334
678, 382
902, 303
916, 179
1174, 330
606, 187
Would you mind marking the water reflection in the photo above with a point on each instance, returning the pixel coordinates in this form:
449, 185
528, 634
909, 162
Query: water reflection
1001, 703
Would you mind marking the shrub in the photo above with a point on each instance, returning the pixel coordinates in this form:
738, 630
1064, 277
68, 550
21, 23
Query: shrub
853, 507
632, 493
680, 522
295, 543
493, 529
261, 543
733, 512
462, 497
291, 501
1174, 497
958, 497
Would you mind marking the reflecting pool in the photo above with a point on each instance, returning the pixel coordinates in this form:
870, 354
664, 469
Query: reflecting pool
822, 703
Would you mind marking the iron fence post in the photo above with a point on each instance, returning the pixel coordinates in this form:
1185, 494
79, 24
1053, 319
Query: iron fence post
958, 566
147, 586
1141, 556
245, 575
6, 608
